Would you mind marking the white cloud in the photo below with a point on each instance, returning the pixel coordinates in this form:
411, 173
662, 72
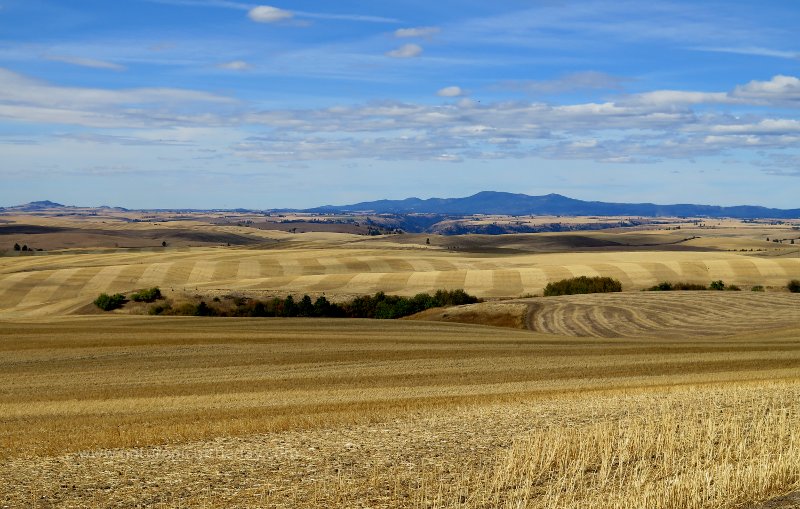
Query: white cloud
416, 32
86, 62
779, 89
643, 127
30, 100
406, 51
235, 65
766, 126
450, 92
268, 14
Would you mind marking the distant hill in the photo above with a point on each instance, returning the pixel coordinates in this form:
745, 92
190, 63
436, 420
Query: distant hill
492, 202
37, 205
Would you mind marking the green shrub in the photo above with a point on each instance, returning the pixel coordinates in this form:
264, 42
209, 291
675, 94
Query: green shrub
794, 286
718, 285
148, 295
582, 284
668, 287
757, 288
108, 302
733, 288
203, 309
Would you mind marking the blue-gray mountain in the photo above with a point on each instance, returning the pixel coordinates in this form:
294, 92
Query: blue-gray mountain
491, 202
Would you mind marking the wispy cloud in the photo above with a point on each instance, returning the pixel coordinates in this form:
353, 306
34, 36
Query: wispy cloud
406, 51
585, 80
235, 65
416, 32
26, 99
752, 50
453, 91
268, 14
86, 62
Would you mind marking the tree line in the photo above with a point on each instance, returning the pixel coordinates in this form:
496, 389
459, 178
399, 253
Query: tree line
379, 305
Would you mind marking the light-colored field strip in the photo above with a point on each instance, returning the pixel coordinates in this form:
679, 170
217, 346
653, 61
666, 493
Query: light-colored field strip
45, 290
155, 274
202, 272
317, 266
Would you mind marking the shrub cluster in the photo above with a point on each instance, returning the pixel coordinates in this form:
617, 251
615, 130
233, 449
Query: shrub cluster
379, 305
147, 295
582, 284
668, 287
719, 285
108, 302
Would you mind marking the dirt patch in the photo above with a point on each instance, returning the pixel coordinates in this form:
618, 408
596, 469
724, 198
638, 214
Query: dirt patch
790, 501
496, 314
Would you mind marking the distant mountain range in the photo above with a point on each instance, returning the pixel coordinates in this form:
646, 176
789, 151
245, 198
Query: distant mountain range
492, 202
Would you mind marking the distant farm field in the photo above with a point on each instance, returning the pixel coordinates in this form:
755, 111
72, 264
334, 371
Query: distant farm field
43, 285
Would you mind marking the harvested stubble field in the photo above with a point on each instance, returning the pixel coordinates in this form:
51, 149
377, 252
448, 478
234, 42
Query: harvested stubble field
633, 400
164, 412
634, 314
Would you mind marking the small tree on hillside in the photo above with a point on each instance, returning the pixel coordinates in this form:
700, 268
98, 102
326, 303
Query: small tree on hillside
17, 247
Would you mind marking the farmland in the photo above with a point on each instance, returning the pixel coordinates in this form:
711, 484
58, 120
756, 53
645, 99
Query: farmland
632, 399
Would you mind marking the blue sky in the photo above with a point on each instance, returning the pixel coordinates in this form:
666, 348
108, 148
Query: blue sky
217, 103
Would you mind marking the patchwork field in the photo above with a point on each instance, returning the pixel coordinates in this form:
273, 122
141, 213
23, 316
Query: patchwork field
637, 399
343, 265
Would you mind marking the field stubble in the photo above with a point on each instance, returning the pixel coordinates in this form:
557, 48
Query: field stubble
108, 412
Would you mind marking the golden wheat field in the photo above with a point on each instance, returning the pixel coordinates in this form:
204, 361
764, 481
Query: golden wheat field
630, 400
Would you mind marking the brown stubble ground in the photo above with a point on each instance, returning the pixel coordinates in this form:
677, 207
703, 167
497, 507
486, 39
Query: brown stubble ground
281, 412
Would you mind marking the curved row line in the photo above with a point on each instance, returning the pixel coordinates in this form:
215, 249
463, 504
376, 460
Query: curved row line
670, 314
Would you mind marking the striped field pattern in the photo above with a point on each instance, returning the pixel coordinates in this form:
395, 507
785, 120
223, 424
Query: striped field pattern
44, 285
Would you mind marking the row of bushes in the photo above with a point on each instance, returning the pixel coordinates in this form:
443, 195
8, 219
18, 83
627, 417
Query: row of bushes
582, 284
719, 285
114, 301
379, 305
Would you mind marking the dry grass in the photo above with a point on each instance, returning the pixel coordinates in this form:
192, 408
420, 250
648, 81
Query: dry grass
715, 448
